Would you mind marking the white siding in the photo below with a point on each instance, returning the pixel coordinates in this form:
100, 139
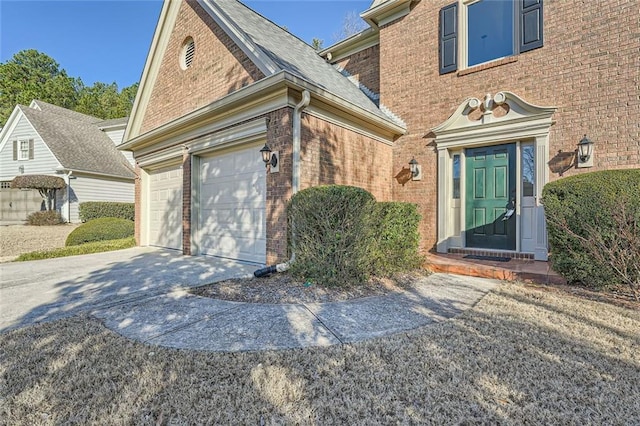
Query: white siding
115, 135
43, 161
90, 188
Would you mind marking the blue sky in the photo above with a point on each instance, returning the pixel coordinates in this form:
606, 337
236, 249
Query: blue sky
108, 40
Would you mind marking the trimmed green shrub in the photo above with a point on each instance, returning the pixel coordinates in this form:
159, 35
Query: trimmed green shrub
88, 248
330, 228
396, 238
45, 218
593, 222
96, 209
106, 228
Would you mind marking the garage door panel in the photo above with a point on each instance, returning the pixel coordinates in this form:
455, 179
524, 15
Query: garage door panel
232, 199
165, 208
234, 247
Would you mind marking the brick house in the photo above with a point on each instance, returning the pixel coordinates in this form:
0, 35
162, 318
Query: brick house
489, 98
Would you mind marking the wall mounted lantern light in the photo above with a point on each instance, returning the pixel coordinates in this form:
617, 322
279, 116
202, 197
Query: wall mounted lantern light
585, 152
416, 169
270, 158
21, 169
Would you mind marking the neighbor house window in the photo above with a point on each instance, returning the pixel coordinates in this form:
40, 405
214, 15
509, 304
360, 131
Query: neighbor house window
473, 32
23, 154
5, 184
23, 149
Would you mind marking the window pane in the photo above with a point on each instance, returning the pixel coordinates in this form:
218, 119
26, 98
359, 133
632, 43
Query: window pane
489, 30
456, 176
24, 150
528, 171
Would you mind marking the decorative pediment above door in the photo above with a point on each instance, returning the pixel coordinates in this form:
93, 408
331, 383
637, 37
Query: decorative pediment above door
503, 116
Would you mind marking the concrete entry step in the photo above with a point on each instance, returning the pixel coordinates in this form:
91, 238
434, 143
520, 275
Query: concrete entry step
514, 270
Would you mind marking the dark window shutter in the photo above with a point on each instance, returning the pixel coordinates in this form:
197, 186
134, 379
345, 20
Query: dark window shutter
15, 150
30, 149
449, 38
531, 25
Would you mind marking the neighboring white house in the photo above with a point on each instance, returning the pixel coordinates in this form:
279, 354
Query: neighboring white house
47, 139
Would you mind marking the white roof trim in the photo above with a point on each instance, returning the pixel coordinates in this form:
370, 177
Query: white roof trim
257, 55
159, 44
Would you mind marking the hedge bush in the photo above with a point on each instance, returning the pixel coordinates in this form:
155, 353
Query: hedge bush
96, 209
88, 248
329, 227
396, 238
593, 222
106, 228
45, 218
341, 236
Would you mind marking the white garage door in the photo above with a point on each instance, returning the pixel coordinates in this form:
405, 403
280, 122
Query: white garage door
165, 207
232, 200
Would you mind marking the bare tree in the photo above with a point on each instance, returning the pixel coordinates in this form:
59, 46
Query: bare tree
351, 24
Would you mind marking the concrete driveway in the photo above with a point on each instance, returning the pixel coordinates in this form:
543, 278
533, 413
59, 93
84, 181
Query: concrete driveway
46, 290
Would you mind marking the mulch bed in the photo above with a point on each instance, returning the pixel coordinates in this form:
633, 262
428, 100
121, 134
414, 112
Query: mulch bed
282, 288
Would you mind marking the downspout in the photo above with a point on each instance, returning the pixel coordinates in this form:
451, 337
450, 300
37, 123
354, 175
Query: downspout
69, 196
295, 180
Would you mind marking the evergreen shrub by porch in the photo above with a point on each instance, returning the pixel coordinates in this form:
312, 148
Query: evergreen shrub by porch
330, 229
45, 218
396, 238
342, 236
96, 209
593, 222
102, 229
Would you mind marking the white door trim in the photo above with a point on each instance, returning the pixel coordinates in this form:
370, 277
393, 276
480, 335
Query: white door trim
522, 122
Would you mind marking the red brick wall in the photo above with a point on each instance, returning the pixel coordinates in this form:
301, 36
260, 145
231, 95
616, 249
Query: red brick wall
330, 154
279, 138
365, 66
588, 68
335, 155
219, 67
186, 203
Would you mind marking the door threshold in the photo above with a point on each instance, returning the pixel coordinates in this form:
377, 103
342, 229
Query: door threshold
492, 253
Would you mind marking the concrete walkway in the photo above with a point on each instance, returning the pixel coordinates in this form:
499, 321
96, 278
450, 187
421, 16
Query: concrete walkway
181, 320
142, 294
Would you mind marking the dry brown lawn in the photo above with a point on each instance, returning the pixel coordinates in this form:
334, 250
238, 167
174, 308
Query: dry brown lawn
520, 356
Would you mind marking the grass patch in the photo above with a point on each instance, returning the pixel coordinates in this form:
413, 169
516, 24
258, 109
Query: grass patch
88, 248
520, 356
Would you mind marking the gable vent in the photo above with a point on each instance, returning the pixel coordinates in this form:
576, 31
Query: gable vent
188, 51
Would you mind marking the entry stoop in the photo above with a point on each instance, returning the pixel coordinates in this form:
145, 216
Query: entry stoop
514, 270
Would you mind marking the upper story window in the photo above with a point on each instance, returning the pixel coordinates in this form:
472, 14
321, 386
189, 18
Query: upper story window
23, 149
473, 32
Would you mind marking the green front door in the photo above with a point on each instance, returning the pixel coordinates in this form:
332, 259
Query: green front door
490, 196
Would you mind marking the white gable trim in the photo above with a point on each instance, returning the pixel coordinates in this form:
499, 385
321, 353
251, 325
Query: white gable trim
158, 47
10, 126
252, 50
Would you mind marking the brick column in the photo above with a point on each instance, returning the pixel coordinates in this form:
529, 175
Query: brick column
186, 203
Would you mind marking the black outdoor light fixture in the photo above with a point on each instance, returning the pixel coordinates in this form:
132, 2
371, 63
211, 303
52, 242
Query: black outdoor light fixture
585, 149
414, 167
270, 159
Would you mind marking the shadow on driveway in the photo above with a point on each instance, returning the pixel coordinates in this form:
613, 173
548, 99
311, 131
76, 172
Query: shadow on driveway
47, 290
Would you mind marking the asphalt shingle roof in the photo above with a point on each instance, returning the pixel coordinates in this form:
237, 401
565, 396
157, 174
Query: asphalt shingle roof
293, 55
76, 141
